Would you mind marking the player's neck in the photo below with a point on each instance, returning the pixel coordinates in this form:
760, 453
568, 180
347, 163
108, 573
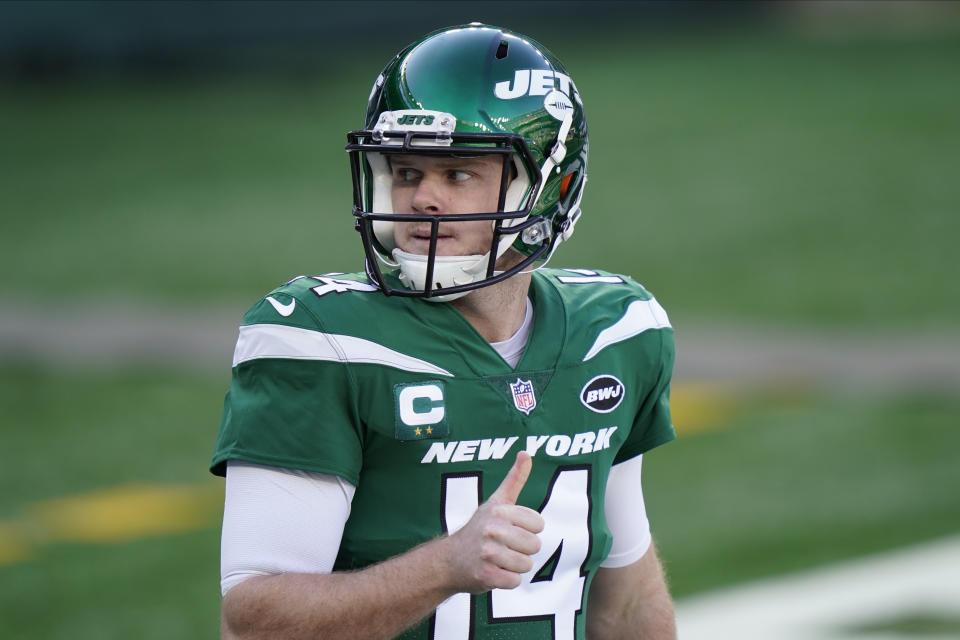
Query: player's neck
497, 311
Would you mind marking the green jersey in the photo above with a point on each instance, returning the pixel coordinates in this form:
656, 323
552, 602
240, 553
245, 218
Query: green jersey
406, 401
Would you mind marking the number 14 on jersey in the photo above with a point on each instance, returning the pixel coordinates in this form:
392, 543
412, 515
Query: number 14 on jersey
554, 588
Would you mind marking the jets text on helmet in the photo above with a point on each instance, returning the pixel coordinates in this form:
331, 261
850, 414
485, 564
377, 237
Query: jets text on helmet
535, 82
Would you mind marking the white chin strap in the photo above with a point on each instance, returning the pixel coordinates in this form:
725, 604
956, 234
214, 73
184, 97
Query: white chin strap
448, 271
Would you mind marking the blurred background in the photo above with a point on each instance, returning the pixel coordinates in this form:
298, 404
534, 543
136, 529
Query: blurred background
783, 176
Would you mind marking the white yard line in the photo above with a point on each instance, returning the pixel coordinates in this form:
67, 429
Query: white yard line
823, 604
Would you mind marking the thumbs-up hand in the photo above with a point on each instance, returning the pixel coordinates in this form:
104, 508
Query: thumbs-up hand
494, 548
509, 490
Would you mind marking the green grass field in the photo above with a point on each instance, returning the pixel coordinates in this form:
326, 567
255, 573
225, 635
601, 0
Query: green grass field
744, 177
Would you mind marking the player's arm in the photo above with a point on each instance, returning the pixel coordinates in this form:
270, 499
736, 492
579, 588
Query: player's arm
491, 551
378, 602
629, 596
631, 602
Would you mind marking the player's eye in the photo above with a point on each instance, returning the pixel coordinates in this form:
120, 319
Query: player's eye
404, 174
459, 176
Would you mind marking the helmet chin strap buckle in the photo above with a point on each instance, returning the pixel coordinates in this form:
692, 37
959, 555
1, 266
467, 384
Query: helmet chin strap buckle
535, 233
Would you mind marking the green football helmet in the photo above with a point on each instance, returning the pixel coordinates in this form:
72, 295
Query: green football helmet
468, 91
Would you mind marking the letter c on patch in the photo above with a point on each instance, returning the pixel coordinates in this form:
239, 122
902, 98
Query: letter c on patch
421, 405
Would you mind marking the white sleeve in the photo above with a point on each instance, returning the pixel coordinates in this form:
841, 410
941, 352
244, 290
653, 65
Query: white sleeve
280, 521
626, 514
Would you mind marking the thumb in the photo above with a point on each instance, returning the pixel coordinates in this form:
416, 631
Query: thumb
509, 490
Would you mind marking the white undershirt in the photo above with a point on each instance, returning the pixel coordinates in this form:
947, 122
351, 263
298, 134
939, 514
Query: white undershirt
287, 521
512, 348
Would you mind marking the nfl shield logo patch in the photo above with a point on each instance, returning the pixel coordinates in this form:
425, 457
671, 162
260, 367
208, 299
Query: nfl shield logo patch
523, 398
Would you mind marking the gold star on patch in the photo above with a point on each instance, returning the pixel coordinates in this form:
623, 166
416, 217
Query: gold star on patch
429, 430
417, 431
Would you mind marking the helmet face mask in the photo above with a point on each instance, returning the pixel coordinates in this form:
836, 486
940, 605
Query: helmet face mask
466, 92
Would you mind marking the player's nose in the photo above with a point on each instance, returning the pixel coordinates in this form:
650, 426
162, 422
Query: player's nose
428, 196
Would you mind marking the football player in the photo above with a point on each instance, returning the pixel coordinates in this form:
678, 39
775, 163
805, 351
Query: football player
448, 445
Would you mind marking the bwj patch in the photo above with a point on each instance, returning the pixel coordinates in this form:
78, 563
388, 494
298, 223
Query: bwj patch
602, 394
523, 397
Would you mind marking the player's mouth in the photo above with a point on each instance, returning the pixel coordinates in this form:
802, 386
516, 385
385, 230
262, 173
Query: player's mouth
419, 242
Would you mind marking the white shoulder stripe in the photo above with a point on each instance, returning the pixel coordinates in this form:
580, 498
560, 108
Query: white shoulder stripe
640, 316
280, 341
